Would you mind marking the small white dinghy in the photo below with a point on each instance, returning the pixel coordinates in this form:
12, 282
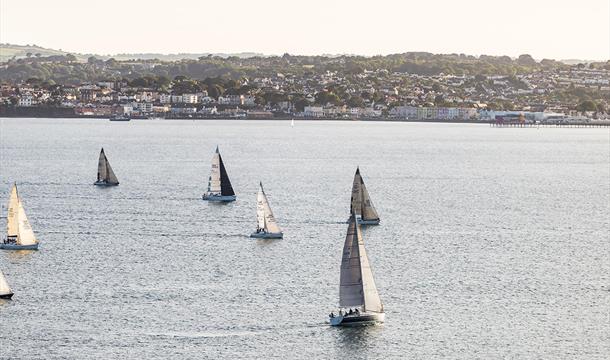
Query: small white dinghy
105, 175
359, 300
361, 203
5, 290
19, 233
267, 225
219, 185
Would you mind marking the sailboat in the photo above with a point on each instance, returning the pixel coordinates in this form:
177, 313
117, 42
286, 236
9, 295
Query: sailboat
267, 226
5, 290
219, 185
292, 123
19, 233
359, 302
361, 203
105, 175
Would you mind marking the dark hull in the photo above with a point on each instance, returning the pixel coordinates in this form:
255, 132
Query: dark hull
6, 296
357, 320
104, 183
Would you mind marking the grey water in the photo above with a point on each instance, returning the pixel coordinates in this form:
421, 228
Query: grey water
493, 243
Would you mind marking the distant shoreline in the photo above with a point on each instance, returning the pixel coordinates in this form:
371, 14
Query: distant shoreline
604, 124
301, 119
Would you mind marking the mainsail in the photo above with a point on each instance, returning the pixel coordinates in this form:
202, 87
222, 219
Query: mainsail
361, 203
214, 181
4, 288
104, 170
264, 215
357, 287
12, 227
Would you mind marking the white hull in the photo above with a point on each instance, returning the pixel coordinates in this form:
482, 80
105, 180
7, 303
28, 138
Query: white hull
357, 320
262, 235
224, 198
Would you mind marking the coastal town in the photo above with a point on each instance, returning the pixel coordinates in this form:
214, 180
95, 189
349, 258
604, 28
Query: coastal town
417, 89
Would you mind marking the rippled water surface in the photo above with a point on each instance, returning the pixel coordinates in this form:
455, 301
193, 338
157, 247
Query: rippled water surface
494, 243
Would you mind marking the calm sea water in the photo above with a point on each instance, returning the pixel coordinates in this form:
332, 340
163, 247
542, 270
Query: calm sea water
494, 243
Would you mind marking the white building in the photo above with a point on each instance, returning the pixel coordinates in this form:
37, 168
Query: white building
26, 100
230, 100
165, 98
313, 111
189, 98
144, 107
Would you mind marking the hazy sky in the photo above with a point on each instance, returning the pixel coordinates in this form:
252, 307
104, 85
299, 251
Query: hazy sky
557, 29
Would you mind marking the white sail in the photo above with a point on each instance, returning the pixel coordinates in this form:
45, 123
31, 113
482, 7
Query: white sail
12, 227
111, 177
263, 210
357, 287
372, 301
260, 208
4, 288
26, 234
368, 210
214, 181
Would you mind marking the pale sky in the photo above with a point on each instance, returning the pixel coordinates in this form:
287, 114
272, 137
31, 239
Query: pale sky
556, 29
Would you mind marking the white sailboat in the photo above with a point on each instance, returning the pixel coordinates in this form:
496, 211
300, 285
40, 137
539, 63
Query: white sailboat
105, 175
219, 185
19, 233
5, 290
267, 225
359, 301
361, 203
292, 123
